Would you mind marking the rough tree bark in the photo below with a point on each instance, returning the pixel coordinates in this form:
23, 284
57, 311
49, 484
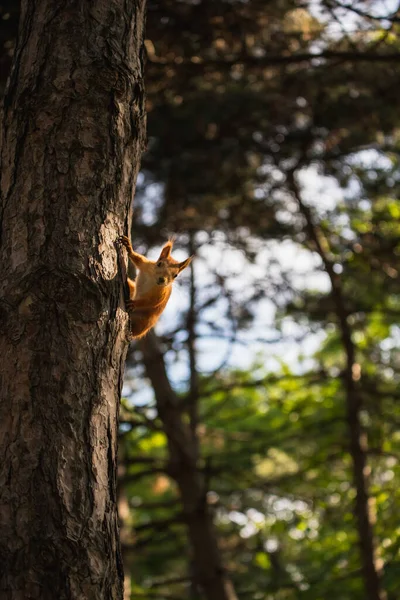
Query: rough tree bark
73, 130
358, 444
209, 573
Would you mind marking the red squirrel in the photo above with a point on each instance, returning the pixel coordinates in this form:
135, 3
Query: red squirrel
150, 292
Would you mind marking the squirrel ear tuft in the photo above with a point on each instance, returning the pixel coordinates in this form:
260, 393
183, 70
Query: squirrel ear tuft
185, 263
166, 251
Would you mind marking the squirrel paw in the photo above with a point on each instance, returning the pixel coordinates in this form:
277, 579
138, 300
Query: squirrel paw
124, 241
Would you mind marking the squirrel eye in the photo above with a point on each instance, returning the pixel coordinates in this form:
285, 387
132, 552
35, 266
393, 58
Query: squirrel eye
176, 275
159, 264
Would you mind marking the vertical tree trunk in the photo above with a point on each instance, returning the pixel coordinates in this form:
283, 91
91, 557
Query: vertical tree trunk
209, 573
358, 447
73, 128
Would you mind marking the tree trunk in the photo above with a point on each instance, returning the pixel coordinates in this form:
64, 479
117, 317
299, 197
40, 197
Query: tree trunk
209, 573
358, 445
73, 129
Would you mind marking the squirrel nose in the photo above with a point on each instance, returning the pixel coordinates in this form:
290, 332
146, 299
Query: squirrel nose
161, 280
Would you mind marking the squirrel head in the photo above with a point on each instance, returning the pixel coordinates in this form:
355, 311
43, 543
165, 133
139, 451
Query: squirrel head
167, 268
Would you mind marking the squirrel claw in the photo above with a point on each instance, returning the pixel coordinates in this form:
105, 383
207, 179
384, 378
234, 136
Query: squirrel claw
123, 240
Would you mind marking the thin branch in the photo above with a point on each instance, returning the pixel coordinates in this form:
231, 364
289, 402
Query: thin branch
170, 581
278, 60
192, 399
390, 17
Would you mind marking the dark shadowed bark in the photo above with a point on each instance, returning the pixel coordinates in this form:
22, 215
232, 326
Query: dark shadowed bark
73, 129
358, 444
209, 573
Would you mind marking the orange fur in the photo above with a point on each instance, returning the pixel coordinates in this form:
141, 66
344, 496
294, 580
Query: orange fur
151, 290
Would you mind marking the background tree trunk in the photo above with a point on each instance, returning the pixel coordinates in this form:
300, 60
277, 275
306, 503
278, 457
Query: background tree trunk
358, 444
73, 129
209, 573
